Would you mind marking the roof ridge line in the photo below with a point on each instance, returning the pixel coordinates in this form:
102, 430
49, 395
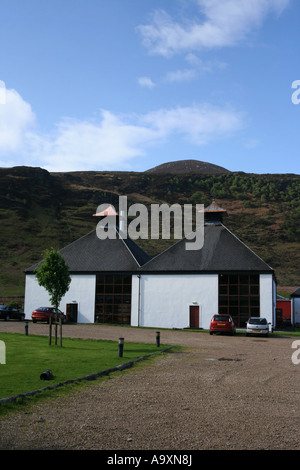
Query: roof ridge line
174, 244
166, 249
248, 248
121, 238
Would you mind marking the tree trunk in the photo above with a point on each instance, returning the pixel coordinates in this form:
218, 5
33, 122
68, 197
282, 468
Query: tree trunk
60, 331
56, 307
50, 330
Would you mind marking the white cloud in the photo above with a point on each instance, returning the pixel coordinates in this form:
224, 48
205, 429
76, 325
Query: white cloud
221, 23
115, 140
199, 67
16, 121
109, 142
146, 82
198, 124
185, 75
91, 145
204, 66
252, 143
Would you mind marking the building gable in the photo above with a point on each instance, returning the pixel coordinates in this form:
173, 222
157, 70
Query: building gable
222, 251
90, 254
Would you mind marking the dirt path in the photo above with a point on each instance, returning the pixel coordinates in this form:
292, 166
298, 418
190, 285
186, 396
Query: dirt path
220, 393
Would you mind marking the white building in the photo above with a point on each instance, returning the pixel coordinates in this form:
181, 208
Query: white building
114, 281
295, 300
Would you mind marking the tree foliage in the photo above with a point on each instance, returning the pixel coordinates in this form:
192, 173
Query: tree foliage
53, 275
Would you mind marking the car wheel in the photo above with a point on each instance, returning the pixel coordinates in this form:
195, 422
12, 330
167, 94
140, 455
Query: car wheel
33, 321
210, 332
7, 317
22, 317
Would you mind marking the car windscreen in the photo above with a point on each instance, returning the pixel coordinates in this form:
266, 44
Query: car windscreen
258, 321
221, 318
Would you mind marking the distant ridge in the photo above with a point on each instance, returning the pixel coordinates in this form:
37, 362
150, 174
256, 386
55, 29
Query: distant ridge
188, 166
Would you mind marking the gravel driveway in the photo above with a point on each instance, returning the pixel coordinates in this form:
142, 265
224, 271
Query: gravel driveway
221, 392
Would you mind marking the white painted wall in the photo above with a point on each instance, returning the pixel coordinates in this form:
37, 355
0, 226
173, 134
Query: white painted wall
35, 296
165, 299
158, 300
274, 302
82, 290
267, 297
135, 296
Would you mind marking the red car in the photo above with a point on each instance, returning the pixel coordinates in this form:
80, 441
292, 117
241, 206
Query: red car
222, 323
44, 314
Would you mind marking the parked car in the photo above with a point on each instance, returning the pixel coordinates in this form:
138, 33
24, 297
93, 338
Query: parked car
257, 326
221, 323
7, 312
44, 314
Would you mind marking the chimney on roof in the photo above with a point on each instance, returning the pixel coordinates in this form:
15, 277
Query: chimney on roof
213, 214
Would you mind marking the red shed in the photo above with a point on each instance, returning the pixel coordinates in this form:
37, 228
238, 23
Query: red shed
283, 311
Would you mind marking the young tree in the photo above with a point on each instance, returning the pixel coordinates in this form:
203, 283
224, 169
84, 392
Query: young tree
53, 275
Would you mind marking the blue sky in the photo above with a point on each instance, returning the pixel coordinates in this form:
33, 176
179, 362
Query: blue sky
131, 84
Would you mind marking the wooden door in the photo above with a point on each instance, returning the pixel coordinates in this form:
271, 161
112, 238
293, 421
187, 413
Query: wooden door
72, 312
279, 317
194, 316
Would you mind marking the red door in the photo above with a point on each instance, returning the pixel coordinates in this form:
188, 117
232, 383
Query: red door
194, 316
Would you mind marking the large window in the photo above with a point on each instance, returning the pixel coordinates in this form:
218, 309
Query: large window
113, 299
239, 296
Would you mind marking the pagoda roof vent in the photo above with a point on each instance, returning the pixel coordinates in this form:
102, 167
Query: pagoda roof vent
214, 213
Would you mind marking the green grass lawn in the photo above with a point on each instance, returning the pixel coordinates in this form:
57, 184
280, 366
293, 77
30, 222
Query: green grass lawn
28, 356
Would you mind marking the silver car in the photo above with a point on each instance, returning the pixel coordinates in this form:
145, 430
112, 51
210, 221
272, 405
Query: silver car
258, 326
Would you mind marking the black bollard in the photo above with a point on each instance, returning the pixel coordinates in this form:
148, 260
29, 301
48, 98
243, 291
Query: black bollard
26, 328
121, 345
47, 375
158, 339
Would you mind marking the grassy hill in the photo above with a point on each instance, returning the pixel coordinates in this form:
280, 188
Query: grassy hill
40, 210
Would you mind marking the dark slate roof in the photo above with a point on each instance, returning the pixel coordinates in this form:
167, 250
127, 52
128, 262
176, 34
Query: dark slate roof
90, 254
296, 293
222, 251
